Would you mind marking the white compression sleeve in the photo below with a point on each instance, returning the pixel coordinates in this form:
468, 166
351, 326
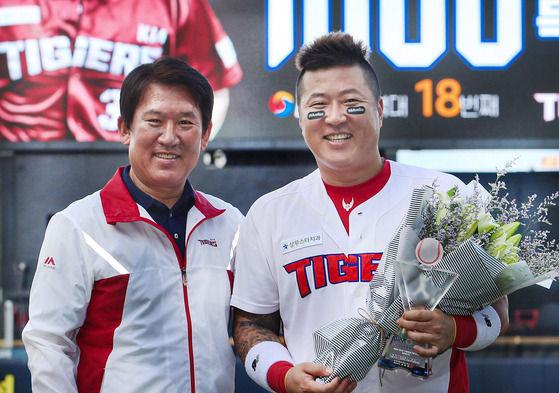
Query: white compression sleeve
261, 357
488, 328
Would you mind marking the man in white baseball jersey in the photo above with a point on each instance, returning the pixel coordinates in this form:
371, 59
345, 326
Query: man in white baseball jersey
307, 251
132, 287
62, 62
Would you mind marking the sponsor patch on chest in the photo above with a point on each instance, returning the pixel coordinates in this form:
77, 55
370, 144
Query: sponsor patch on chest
296, 243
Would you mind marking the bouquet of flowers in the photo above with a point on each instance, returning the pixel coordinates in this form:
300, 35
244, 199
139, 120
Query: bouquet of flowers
486, 256
499, 227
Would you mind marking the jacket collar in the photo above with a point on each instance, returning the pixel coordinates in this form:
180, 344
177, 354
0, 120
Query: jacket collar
119, 206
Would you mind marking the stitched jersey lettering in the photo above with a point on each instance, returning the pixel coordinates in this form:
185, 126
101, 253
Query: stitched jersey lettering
332, 269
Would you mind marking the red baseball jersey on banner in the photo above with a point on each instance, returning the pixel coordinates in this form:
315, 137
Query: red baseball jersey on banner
62, 62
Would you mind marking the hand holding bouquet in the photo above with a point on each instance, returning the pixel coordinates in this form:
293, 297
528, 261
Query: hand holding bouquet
483, 245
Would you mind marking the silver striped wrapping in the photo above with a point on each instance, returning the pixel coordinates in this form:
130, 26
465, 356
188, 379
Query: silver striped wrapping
475, 286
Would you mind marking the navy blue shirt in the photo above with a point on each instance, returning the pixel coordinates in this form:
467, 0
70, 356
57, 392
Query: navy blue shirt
172, 220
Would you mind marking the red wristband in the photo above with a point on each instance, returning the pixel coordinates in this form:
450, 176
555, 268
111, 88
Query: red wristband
466, 331
276, 376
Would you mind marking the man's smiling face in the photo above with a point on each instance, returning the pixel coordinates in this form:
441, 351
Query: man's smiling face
342, 143
165, 140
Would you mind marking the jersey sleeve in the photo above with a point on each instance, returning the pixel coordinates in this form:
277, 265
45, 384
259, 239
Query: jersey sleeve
255, 289
57, 307
202, 42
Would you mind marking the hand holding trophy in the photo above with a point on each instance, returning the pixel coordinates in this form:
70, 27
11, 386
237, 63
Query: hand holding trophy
420, 284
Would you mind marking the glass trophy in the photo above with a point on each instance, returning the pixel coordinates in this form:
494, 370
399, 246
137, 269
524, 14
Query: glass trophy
418, 285
399, 353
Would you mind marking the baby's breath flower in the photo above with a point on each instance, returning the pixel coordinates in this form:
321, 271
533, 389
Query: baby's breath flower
493, 223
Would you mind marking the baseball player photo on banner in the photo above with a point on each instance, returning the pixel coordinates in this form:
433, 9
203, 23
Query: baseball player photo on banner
62, 62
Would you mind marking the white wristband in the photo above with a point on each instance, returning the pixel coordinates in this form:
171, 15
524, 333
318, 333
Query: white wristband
261, 357
488, 328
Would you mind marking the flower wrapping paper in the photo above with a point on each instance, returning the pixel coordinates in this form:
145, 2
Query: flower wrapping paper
352, 346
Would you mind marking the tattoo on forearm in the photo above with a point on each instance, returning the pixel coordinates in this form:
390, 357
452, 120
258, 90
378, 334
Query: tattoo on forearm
251, 329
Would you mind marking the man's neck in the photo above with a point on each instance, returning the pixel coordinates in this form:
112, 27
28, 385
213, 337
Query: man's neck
351, 177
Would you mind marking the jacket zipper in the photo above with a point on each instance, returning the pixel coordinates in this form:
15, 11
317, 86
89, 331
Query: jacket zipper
189, 321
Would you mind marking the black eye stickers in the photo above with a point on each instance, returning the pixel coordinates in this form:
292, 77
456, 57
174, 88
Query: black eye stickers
315, 115
355, 110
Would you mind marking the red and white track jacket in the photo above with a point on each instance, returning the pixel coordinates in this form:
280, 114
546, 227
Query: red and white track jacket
108, 308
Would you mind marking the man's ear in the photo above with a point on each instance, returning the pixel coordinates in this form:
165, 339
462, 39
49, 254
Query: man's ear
206, 137
123, 132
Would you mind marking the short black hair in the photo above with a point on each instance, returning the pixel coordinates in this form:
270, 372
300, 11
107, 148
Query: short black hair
336, 49
167, 71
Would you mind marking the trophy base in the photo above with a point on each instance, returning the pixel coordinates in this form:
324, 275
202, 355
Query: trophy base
399, 353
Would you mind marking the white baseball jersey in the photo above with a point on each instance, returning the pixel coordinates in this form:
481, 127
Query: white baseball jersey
62, 62
294, 255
